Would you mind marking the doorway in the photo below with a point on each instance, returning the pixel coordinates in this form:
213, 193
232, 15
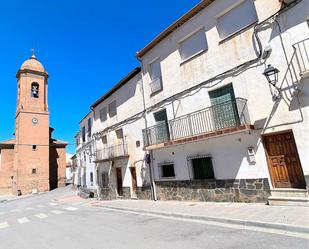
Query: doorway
134, 181
119, 182
283, 160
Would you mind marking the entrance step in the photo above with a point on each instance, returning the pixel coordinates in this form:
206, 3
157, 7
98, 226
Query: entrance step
289, 197
288, 201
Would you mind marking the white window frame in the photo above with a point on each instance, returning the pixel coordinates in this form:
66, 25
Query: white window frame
235, 5
200, 29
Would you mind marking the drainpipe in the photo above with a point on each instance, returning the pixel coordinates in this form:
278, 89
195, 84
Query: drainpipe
152, 183
96, 164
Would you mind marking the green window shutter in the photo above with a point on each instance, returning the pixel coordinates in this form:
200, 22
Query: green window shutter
224, 108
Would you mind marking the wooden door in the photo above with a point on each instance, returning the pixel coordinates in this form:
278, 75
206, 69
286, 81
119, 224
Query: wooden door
283, 161
119, 181
133, 176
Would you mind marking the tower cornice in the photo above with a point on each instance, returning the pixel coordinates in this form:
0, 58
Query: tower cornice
32, 72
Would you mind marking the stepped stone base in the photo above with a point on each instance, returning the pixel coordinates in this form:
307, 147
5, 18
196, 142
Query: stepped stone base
232, 190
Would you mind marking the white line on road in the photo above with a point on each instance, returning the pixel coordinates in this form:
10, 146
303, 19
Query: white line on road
71, 208
53, 204
40, 206
4, 225
29, 208
41, 216
2, 213
57, 212
23, 220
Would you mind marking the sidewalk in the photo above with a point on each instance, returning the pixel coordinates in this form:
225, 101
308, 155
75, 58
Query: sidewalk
293, 219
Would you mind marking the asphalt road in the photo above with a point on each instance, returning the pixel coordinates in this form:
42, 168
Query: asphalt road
60, 220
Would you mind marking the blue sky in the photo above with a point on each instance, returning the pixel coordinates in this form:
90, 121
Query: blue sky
86, 47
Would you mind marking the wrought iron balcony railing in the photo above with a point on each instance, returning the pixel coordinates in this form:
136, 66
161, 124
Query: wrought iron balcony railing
156, 85
111, 152
229, 114
302, 55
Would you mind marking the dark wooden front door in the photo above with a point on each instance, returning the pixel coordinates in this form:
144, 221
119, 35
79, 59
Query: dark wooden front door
283, 161
119, 181
134, 182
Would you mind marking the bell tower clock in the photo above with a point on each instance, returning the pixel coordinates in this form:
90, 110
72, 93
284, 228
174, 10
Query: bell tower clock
31, 152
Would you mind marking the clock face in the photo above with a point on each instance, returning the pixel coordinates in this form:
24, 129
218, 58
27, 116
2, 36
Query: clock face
35, 121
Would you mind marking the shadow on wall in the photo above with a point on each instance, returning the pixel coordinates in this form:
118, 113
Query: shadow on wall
53, 168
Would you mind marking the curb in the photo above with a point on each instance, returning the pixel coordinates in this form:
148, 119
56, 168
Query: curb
277, 226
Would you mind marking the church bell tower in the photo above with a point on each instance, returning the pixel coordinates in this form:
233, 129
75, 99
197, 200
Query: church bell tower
31, 152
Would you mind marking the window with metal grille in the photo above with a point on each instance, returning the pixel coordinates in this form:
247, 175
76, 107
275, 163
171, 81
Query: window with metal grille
167, 170
202, 168
236, 19
103, 114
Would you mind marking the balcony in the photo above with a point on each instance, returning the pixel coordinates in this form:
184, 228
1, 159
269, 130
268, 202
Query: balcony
302, 56
156, 85
216, 119
112, 152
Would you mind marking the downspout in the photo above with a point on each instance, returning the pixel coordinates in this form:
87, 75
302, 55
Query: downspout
152, 183
96, 164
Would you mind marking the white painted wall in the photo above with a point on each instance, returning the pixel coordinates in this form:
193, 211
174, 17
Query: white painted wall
229, 156
129, 100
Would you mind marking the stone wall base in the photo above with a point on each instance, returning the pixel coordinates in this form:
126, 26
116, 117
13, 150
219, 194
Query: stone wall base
233, 190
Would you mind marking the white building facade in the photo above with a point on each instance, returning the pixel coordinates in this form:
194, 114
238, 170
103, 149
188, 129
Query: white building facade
217, 128
119, 155
85, 170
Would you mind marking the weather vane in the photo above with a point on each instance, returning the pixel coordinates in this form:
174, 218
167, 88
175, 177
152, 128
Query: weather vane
33, 50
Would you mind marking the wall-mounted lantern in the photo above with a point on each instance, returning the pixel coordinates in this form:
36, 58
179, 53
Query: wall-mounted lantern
271, 73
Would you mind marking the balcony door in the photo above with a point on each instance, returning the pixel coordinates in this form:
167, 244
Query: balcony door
224, 108
161, 128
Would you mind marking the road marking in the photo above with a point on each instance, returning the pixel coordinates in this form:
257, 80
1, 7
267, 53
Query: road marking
23, 220
53, 204
57, 212
13, 210
40, 206
4, 225
29, 208
2, 213
41, 216
71, 208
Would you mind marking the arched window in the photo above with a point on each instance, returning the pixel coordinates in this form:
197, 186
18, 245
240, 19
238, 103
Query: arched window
34, 90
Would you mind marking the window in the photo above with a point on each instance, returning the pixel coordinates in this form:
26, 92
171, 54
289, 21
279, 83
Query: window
104, 140
84, 134
112, 109
89, 127
35, 90
193, 45
104, 179
91, 176
138, 143
167, 170
202, 168
33, 171
237, 19
155, 75
34, 147
119, 134
103, 114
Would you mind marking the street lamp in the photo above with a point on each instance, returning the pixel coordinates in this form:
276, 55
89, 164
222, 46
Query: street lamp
271, 74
